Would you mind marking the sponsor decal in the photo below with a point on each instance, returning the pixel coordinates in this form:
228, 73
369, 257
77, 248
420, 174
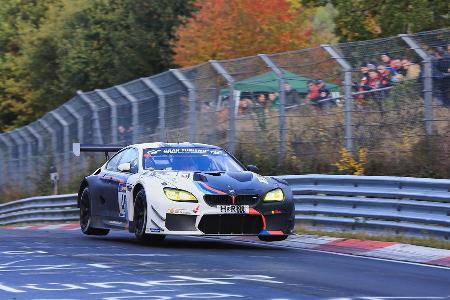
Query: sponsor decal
122, 197
179, 211
155, 230
184, 175
233, 209
185, 150
151, 152
165, 151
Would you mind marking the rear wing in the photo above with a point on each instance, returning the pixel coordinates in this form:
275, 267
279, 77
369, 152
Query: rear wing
78, 148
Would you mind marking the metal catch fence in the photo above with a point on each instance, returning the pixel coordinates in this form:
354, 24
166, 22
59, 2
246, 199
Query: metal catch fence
385, 96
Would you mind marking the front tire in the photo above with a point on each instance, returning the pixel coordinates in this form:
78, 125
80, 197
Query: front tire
140, 220
85, 216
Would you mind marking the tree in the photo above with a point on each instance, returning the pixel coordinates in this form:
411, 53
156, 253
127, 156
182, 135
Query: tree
362, 20
83, 44
15, 16
225, 29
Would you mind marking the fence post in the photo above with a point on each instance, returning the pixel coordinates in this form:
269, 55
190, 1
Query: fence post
162, 107
347, 69
232, 113
28, 165
134, 111
54, 138
427, 81
192, 104
65, 141
98, 138
79, 118
113, 106
282, 110
18, 162
7, 163
34, 133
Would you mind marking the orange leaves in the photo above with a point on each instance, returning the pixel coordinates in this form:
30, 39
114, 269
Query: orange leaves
235, 28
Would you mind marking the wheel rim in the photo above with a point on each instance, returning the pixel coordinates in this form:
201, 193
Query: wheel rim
84, 211
140, 215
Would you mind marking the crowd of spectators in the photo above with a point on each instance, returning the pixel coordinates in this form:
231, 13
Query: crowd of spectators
263, 104
377, 77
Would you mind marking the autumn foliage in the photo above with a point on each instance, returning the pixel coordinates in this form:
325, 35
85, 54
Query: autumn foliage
225, 29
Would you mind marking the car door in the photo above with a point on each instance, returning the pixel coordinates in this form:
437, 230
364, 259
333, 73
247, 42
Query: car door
104, 186
117, 198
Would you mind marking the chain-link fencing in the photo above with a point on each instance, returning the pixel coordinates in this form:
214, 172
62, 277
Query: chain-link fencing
381, 105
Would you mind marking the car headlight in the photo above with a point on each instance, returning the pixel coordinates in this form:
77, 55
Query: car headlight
179, 195
274, 195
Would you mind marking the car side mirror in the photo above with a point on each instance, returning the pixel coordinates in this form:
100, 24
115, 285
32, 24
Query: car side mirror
253, 168
125, 167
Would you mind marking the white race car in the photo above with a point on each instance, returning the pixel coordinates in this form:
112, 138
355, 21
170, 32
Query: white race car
159, 189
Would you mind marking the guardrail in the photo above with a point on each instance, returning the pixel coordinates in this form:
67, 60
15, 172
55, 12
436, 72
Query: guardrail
373, 204
58, 208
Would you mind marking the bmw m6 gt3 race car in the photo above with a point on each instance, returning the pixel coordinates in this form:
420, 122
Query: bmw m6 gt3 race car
159, 189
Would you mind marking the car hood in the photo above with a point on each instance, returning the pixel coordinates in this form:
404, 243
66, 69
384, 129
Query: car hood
239, 183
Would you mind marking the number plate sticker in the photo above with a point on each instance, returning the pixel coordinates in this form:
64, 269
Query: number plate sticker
233, 209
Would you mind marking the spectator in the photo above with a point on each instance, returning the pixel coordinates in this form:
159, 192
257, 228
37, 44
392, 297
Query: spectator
244, 105
364, 69
260, 109
375, 80
443, 66
322, 88
411, 70
324, 93
292, 96
124, 136
313, 93
274, 101
385, 76
362, 85
387, 60
371, 66
440, 67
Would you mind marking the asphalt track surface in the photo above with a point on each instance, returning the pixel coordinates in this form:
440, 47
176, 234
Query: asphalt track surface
68, 265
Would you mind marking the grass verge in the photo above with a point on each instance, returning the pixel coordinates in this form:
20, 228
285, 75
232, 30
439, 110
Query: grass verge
427, 242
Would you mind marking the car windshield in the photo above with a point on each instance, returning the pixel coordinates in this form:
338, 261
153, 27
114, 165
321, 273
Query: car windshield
189, 159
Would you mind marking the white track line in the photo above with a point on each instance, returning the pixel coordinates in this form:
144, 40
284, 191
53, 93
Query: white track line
335, 253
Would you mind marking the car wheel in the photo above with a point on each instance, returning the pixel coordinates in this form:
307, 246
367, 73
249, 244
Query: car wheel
85, 216
272, 238
140, 219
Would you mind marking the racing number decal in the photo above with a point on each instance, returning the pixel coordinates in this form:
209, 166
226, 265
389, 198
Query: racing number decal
122, 200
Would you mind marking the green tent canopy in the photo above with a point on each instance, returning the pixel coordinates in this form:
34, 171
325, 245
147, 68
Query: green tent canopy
268, 82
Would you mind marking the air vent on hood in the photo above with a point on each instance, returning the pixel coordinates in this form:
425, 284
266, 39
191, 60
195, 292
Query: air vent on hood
200, 177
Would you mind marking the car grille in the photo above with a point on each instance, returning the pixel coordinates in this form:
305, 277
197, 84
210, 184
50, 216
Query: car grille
231, 224
213, 200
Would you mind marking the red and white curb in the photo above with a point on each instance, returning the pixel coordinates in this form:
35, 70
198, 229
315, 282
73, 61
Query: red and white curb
45, 227
374, 249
